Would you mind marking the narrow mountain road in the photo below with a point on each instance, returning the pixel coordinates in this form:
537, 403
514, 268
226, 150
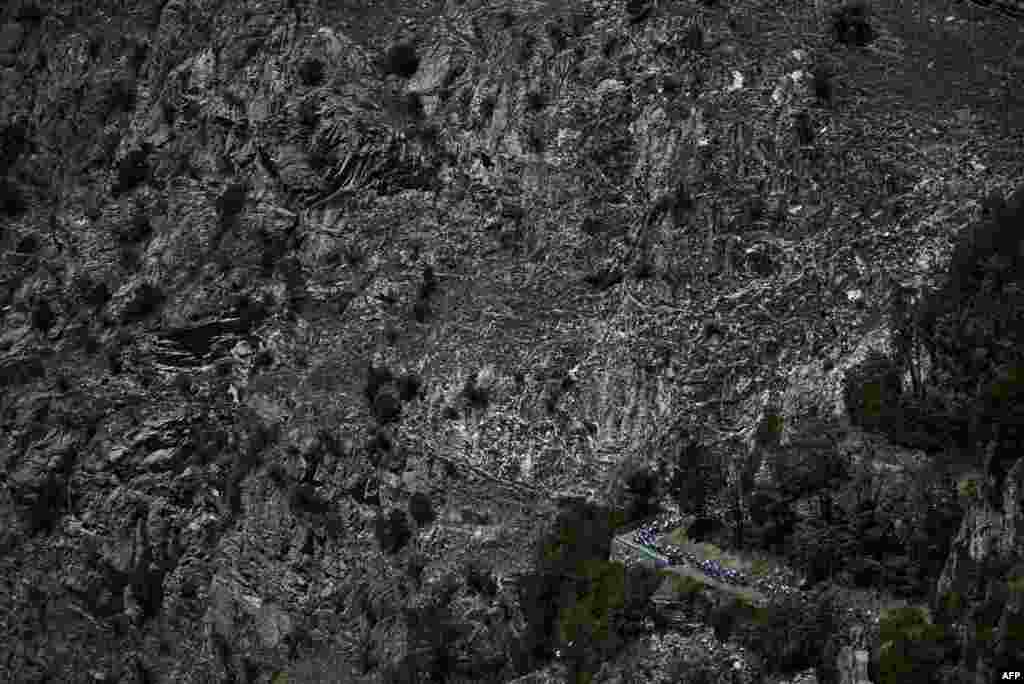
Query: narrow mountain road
686, 570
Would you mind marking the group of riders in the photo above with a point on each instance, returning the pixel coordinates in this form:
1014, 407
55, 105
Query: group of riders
647, 536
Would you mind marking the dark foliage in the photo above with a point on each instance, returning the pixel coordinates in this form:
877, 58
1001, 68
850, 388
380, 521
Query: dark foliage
693, 39
535, 101
401, 60
421, 509
480, 580
120, 96
604, 278
305, 499
43, 316
146, 300
376, 378
415, 566
14, 142
387, 406
803, 128
410, 386
476, 397
231, 203
638, 10
772, 517
21, 371
132, 171
472, 517
311, 72
392, 531
641, 583
13, 202
642, 490
872, 391
822, 84
581, 533
433, 635
851, 24
29, 244
138, 229
917, 648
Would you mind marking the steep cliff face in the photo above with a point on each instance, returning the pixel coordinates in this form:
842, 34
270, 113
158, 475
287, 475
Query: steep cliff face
980, 585
555, 231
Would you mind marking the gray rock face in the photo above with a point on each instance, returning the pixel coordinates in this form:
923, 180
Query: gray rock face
987, 536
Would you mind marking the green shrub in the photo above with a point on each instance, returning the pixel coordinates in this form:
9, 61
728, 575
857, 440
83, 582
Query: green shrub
769, 430
685, 586
951, 602
912, 648
872, 390
588, 625
967, 488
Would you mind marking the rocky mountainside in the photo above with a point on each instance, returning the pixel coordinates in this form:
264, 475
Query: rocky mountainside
276, 273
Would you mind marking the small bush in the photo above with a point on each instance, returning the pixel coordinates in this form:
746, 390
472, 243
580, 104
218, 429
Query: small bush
409, 387
43, 315
872, 391
379, 445
535, 101
12, 199
685, 587
132, 171
231, 203
145, 302
392, 531
803, 128
769, 430
29, 244
138, 229
304, 498
913, 649
14, 142
476, 396
480, 580
387, 406
421, 509
821, 84
638, 10
376, 378
851, 25
401, 60
311, 72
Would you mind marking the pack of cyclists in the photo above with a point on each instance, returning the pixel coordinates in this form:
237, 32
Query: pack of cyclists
647, 536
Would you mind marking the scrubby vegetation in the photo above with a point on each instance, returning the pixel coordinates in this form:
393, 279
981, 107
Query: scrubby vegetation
133, 170
851, 24
420, 508
392, 531
401, 60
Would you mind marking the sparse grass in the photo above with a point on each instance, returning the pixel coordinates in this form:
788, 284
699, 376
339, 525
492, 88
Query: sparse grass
759, 567
678, 536
685, 586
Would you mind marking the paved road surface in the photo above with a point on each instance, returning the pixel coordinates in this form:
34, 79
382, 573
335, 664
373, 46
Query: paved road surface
687, 570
